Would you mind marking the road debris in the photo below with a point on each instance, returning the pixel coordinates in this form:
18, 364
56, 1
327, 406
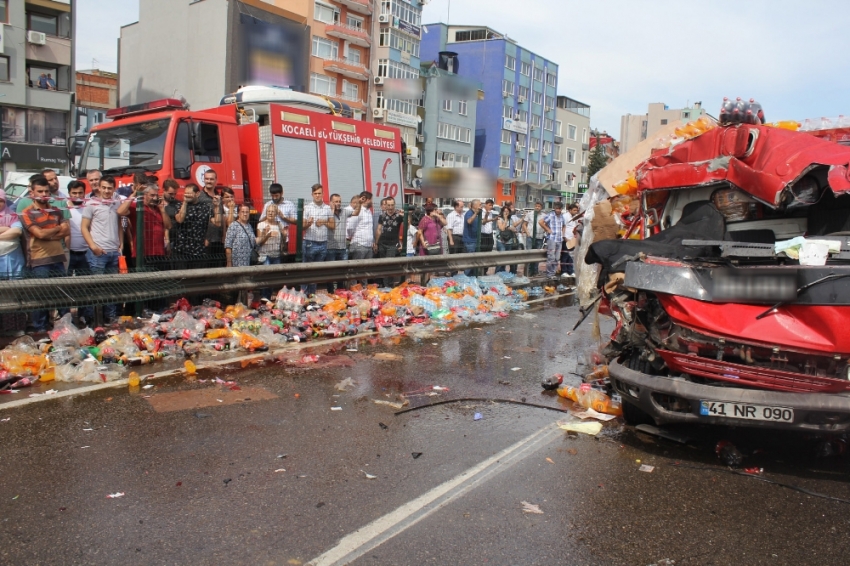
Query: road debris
115, 495
646, 468
728, 454
591, 428
279, 470
477, 417
531, 508
368, 475
344, 384
416, 455
336, 408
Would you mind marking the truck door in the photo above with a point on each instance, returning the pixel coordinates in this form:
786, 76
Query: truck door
345, 171
296, 163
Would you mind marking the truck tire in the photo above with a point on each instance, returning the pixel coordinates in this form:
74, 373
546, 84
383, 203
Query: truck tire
635, 416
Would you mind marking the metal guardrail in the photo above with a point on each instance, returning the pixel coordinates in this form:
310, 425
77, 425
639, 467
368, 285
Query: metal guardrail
65, 292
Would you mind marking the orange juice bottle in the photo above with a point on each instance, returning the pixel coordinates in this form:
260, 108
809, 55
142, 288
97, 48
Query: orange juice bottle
190, 368
133, 379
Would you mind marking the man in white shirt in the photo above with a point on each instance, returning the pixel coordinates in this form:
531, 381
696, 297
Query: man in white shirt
567, 264
76, 244
454, 227
287, 212
318, 218
360, 229
488, 220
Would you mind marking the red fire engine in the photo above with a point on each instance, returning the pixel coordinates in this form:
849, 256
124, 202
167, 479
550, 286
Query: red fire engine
250, 146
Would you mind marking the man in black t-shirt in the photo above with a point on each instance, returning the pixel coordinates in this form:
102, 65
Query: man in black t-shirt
389, 239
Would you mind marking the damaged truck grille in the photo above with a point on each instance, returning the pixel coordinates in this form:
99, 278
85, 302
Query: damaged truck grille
752, 376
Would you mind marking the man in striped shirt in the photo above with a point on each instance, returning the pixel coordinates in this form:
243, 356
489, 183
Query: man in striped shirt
46, 229
553, 225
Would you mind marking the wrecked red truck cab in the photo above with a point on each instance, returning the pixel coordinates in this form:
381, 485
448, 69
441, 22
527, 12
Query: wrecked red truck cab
732, 296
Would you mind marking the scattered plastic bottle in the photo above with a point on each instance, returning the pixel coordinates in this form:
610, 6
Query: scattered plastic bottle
190, 368
133, 379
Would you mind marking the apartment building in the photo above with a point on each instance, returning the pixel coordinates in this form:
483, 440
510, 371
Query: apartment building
204, 50
634, 128
397, 56
572, 127
97, 92
515, 123
36, 83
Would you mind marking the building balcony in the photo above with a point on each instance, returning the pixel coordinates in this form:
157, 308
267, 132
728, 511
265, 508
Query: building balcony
346, 68
359, 6
350, 100
49, 99
56, 50
557, 164
559, 140
348, 33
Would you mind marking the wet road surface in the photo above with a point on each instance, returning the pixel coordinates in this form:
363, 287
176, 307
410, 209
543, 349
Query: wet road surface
266, 472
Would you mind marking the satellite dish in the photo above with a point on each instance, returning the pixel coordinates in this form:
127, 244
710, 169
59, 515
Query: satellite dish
418, 173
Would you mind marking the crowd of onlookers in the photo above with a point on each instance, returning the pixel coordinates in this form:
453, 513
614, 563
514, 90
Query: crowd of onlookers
90, 228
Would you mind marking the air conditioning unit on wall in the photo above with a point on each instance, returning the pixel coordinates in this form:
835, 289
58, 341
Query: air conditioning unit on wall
384, 18
379, 80
36, 37
378, 112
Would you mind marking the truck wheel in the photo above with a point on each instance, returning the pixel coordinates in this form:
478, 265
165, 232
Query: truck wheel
635, 416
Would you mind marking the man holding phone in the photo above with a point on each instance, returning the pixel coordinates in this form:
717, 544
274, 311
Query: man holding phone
157, 224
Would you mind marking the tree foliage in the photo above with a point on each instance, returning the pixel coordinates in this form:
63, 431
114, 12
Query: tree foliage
598, 160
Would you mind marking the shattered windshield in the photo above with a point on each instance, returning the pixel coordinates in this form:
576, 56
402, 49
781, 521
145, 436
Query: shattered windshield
115, 150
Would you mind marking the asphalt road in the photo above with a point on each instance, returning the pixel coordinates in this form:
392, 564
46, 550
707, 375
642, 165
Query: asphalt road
267, 472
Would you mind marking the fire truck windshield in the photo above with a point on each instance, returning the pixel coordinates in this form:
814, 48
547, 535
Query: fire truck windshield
122, 148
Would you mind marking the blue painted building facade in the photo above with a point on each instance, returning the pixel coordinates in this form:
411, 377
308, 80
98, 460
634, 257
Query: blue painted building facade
515, 122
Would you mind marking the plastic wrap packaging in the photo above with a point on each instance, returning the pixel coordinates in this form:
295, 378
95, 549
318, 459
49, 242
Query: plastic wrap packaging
587, 275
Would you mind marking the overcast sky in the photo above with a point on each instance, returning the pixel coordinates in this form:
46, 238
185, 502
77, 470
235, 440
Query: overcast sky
619, 55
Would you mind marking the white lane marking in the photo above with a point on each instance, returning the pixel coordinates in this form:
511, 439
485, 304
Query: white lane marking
377, 532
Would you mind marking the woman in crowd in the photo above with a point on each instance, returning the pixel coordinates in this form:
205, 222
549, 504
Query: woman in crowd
507, 235
228, 210
240, 240
270, 251
431, 235
12, 262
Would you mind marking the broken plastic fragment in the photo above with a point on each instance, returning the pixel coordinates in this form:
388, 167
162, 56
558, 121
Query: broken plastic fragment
477, 417
369, 476
515, 369
148, 386
531, 508
336, 408
277, 471
344, 384
115, 495
646, 468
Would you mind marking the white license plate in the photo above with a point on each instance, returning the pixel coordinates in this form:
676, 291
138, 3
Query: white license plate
746, 411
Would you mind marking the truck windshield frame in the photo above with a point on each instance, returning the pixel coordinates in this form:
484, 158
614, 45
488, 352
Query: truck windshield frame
121, 147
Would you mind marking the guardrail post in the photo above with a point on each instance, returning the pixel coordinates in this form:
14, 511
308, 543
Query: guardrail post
478, 236
533, 246
406, 208
140, 241
299, 232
